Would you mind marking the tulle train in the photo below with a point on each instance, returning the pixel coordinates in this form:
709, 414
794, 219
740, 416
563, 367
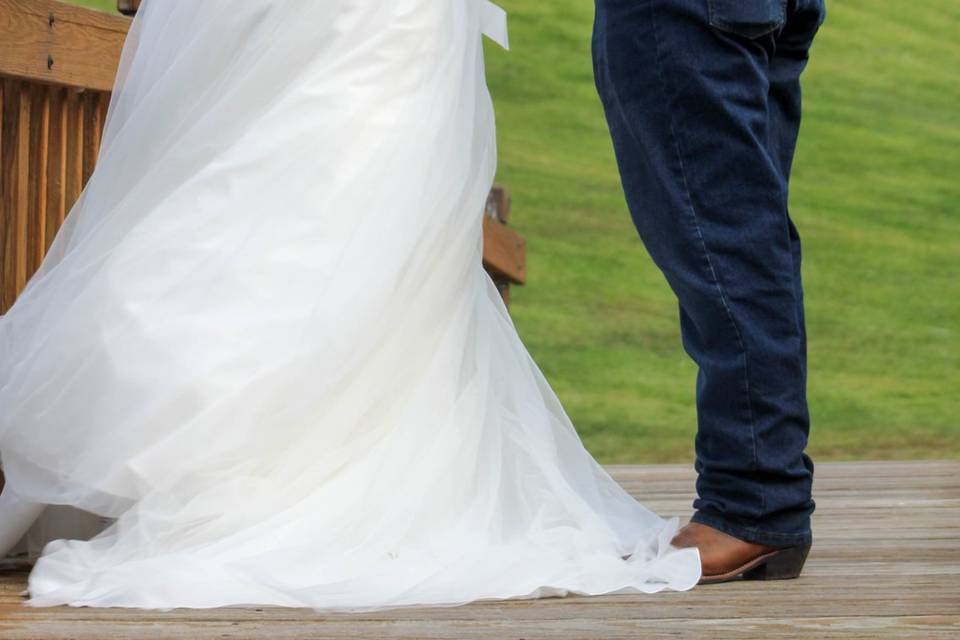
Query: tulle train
263, 346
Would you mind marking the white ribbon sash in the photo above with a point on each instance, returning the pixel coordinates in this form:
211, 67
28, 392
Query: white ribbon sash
493, 23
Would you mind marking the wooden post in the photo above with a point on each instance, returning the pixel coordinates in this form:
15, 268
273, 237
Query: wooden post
504, 250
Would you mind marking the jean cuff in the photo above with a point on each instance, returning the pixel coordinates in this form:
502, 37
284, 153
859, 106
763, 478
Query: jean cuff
751, 533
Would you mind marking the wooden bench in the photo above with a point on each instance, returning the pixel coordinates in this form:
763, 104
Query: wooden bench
57, 68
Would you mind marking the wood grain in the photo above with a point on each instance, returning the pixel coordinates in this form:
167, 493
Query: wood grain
54, 42
37, 178
504, 251
885, 564
14, 187
57, 204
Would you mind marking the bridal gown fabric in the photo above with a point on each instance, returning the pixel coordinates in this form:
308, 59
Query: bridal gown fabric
264, 351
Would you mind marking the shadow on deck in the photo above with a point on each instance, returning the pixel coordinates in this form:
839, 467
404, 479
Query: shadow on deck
885, 563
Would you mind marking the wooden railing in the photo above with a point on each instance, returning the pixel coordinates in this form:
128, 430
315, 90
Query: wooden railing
57, 68
57, 65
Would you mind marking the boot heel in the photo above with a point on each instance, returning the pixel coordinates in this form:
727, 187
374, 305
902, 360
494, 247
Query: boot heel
784, 565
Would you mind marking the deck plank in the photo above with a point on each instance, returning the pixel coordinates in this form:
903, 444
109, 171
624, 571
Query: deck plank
885, 563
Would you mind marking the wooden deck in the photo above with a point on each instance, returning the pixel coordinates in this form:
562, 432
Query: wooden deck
885, 563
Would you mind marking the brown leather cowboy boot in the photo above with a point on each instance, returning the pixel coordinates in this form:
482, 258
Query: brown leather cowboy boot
724, 557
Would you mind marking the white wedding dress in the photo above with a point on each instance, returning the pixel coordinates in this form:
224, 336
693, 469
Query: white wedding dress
263, 346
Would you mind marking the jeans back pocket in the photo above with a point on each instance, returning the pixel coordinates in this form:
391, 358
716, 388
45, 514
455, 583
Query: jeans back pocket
747, 18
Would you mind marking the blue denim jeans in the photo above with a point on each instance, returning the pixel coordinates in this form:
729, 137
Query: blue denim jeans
702, 98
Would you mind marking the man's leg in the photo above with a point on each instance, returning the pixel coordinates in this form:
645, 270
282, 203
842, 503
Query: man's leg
793, 46
686, 89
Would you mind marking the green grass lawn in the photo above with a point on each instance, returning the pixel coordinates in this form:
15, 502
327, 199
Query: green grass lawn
106, 5
874, 193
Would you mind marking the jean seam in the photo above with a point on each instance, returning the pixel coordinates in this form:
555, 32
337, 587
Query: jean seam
703, 245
